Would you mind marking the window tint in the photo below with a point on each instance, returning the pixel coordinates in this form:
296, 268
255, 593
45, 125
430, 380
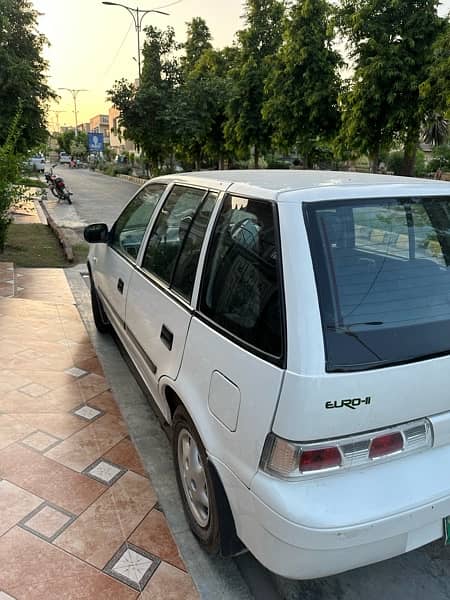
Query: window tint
383, 274
170, 229
130, 227
241, 290
184, 276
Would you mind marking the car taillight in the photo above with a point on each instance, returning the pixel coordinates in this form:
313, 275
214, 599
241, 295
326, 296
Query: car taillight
323, 458
295, 460
386, 444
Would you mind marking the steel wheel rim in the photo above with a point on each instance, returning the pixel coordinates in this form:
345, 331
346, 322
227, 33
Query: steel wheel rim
193, 477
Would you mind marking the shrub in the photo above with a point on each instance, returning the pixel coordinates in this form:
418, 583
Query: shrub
9, 176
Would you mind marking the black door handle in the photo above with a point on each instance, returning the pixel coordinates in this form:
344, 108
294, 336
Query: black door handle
166, 337
120, 285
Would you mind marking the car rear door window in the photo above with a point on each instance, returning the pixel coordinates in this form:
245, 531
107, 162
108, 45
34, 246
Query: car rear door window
129, 229
173, 225
242, 290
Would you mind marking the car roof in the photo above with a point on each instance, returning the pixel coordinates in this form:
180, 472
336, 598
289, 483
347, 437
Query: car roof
286, 184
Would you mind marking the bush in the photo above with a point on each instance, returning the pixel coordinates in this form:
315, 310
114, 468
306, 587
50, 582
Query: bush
9, 176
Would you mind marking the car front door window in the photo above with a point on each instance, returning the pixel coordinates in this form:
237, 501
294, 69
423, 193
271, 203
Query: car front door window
129, 229
174, 246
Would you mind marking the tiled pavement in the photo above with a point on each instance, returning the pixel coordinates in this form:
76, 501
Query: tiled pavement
79, 517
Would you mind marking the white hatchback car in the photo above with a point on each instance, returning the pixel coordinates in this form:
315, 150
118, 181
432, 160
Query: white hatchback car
293, 328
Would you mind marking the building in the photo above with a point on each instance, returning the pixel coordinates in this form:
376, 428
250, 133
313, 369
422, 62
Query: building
100, 124
117, 140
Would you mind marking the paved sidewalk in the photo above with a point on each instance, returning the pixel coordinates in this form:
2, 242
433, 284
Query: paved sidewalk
79, 518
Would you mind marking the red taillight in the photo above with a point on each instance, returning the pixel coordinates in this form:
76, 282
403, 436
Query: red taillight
386, 444
324, 458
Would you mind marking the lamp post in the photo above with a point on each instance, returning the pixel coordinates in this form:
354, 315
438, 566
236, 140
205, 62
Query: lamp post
138, 16
74, 96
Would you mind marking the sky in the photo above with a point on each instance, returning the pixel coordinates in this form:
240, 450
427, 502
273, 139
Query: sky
92, 45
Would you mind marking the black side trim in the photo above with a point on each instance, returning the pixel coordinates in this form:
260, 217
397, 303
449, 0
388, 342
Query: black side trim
151, 365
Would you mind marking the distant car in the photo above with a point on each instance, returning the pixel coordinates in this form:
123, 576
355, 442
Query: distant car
37, 163
64, 159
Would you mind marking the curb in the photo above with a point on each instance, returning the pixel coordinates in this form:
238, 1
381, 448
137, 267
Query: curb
67, 248
133, 179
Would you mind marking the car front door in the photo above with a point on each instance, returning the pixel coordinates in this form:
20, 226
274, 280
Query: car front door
114, 262
158, 308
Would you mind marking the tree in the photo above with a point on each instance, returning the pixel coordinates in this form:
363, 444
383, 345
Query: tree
302, 87
9, 174
147, 112
391, 42
198, 41
22, 73
201, 98
65, 141
258, 43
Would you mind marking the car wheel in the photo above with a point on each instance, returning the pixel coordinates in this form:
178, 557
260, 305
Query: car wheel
100, 319
195, 482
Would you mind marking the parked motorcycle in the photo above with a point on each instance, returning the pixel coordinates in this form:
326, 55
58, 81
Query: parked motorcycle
57, 186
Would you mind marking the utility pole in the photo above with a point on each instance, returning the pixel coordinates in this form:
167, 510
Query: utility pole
138, 16
57, 113
74, 93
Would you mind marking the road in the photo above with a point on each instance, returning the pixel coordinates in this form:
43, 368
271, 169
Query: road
96, 197
423, 573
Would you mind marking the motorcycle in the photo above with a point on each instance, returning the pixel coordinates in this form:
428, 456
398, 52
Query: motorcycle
57, 186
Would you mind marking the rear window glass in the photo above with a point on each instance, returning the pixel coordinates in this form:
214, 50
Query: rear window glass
382, 271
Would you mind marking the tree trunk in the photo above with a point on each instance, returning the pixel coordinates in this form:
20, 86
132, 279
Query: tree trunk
221, 162
374, 159
410, 152
256, 157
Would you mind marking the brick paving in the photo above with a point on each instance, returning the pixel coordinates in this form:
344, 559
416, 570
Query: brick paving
79, 517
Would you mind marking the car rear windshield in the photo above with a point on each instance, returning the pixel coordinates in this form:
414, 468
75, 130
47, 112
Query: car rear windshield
383, 278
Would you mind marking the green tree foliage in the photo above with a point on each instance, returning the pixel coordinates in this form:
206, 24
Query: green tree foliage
9, 173
303, 85
258, 43
147, 111
198, 41
65, 141
435, 90
201, 99
22, 73
390, 42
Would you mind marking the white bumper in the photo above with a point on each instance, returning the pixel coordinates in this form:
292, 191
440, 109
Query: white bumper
323, 526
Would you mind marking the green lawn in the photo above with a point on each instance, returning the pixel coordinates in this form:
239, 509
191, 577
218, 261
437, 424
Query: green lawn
33, 245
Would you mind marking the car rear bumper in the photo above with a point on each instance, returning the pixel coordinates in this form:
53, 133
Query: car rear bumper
323, 526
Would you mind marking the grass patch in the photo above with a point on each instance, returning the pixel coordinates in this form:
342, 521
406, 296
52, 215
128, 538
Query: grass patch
30, 182
80, 252
33, 245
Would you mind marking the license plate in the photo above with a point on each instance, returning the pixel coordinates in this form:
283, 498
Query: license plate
447, 531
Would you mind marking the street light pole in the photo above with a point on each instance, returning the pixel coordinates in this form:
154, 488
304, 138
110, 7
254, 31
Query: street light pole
138, 16
74, 93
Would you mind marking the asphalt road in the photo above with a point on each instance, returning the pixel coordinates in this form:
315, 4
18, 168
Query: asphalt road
423, 573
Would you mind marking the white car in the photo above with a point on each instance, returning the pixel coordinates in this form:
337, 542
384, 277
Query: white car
36, 163
64, 159
293, 328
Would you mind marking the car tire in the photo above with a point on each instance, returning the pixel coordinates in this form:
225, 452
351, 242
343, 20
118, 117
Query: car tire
195, 482
100, 319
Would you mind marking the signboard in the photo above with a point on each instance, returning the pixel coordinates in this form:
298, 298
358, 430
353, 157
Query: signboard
95, 142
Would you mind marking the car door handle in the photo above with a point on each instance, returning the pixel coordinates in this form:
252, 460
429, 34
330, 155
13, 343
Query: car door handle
166, 337
120, 285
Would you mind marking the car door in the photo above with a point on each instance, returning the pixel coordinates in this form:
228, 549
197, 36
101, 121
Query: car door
234, 356
113, 263
158, 309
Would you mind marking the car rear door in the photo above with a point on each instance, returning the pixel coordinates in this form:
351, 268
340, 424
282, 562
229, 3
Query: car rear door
113, 263
158, 310
233, 362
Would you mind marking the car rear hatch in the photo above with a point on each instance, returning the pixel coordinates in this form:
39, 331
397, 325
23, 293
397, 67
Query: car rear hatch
382, 280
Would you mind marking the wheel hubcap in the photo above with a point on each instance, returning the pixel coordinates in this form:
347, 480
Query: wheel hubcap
193, 477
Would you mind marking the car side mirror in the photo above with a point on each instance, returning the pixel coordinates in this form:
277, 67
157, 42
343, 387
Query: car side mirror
96, 233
